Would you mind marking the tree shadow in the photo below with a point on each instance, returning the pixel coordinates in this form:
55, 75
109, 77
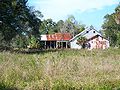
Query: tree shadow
30, 51
35, 51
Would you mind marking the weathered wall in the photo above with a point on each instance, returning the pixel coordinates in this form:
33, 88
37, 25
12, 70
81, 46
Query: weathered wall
99, 43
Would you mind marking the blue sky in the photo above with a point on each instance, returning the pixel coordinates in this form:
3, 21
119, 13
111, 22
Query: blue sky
88, 12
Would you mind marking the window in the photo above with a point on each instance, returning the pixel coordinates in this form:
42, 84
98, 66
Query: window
87, 31
93, 31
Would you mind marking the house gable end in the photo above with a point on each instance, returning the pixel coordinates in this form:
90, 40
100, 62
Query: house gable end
88, 33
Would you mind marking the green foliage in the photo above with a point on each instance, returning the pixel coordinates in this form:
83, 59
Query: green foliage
81, 41
73, 26
3, 44
117, 14
19, 42
33, 42
16, 18
60, 25
112, 28
1, 40
118, 39
48, 27
70, 25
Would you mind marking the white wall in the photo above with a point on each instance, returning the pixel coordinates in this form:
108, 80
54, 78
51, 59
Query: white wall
74, 45
91, 34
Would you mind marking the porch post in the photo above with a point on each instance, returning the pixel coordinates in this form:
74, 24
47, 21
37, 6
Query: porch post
50, 44
56, 45
45, 45
66, 44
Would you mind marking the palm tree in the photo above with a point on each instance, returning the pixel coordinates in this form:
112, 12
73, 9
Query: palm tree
81, 41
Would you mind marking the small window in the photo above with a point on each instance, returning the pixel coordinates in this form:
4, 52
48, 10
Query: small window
93, 31
87, 31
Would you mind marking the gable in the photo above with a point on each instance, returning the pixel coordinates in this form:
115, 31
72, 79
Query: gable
88, 33
91, 33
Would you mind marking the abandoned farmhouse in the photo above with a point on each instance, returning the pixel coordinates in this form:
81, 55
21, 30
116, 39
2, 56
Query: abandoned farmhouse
94, 40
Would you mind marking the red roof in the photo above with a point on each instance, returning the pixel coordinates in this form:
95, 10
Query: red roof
59, 37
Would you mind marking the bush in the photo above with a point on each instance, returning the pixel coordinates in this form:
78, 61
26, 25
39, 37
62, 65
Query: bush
19, 42
33, 43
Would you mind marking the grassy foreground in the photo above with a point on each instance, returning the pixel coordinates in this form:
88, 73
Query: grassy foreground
61, 70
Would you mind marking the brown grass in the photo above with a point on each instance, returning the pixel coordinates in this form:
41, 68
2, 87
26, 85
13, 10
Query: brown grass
61, 70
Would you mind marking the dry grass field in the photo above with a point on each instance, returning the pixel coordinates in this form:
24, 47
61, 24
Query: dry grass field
61, 70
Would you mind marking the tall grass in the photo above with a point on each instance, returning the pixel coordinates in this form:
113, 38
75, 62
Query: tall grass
61, 70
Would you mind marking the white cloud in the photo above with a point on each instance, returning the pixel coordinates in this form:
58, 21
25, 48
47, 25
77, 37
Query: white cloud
59, 9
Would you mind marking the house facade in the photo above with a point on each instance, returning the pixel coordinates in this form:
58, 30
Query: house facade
94, 40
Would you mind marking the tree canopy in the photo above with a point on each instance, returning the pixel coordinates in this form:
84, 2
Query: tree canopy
17, 18
111, 27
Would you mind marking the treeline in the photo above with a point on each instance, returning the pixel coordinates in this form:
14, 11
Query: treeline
70, 25
21, 25
111, 27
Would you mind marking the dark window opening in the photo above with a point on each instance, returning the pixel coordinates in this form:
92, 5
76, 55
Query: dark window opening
93, 31
87, 31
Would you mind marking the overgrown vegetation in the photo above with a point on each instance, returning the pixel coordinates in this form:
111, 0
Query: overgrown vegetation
61, 70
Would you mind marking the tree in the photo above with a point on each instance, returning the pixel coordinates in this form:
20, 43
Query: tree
16, 18
112, 28
82, 41
117, 14
70, 25
60, 25
48, 27
33, 43
19, 42
2, 43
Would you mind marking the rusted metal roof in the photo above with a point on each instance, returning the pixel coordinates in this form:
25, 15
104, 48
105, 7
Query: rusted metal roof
59, 37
